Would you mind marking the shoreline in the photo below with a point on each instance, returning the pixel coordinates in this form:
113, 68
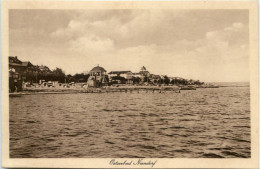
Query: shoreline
119, 89
32, 91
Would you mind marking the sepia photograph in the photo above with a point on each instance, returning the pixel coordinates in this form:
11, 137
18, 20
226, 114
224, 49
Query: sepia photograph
130, 85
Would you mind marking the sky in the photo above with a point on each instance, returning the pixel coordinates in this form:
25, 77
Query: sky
205, 45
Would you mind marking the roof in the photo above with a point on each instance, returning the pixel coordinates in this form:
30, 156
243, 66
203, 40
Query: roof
143, 69
43, 67
16, 64
27, 64
98, 69
156, 76
144, 72
14, 59
120, 72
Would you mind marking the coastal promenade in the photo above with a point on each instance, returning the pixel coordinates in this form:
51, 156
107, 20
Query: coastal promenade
105, 89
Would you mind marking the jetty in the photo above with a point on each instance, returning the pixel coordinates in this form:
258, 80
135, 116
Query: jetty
141, 88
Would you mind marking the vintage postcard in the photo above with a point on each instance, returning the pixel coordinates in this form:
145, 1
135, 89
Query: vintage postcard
130, 84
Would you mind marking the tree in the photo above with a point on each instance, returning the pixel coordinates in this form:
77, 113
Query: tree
58, 71
166, 80
173, 81
121, 79
136, 80
79, 78
146, 79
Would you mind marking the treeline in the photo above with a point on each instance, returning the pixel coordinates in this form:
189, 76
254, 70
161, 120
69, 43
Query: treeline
178, 81
35, 75
77, 78
156, 81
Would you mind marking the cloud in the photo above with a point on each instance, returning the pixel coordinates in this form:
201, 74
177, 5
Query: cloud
130, 28
92, 45
221, 52
178, 43
224, 52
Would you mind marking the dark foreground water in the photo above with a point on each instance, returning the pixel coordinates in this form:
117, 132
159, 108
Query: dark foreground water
192, 124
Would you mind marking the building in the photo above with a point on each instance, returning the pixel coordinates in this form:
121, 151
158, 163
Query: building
144, 72
18, 72
137, 75
129, 78
97, 77
124, 74
43, 69
121, 76
155, 78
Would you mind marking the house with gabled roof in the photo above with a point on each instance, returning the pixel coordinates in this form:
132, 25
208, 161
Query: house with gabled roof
18, 72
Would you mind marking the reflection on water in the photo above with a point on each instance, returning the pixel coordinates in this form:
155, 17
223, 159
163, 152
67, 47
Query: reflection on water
203, 123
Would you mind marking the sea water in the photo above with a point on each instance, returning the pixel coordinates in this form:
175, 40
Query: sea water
202, 123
